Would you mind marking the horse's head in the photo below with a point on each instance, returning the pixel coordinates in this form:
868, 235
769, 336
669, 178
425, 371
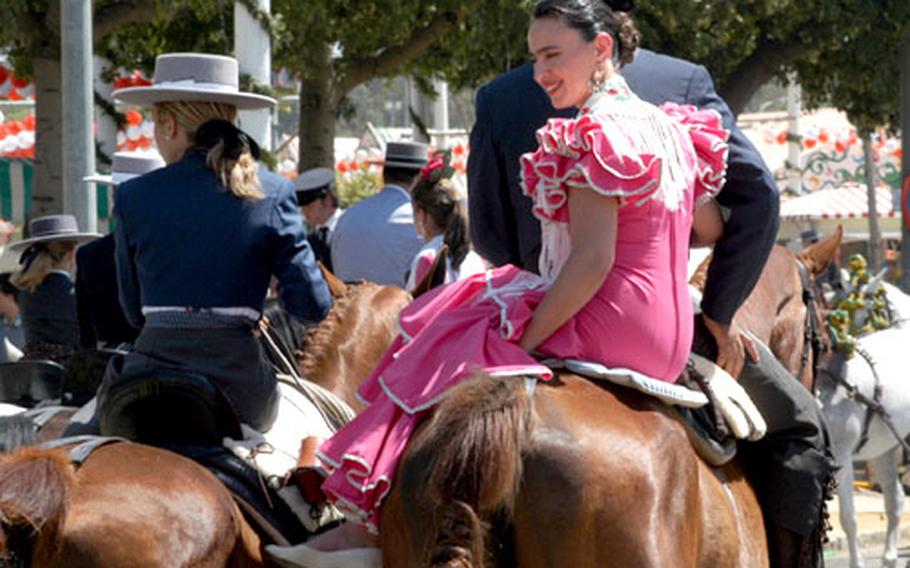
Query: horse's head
816, 257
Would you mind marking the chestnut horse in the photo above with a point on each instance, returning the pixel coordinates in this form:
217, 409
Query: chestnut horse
134, 505
577, 474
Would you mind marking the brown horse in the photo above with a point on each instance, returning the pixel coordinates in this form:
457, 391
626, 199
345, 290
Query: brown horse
578, 474
574, 475
135, 505
776, 312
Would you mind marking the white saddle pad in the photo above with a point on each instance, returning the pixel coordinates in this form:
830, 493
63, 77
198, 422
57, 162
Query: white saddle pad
669, 393
275, 452
7, 409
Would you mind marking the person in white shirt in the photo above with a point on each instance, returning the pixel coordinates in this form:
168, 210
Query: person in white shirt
440, 218
375, 239
318, 201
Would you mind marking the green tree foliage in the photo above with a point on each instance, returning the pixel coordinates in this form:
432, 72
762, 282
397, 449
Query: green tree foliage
861, 74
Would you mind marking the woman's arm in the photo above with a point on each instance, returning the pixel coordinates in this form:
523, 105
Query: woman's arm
592, 225
707, 224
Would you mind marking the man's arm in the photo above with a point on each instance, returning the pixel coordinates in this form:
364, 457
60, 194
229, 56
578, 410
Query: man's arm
493, 229
127, 277
752, 198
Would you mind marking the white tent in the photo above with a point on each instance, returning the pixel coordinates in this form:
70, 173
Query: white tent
846, 205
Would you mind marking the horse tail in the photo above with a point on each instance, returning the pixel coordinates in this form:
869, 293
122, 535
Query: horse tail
15, 431
476, 438
34, 492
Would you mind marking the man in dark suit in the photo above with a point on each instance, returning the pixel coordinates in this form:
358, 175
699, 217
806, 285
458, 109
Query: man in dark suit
793, 458
101, 318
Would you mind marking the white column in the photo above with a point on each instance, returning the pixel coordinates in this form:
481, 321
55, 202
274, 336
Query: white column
253, 48
794, 141
441, 112
106, 124
78, 105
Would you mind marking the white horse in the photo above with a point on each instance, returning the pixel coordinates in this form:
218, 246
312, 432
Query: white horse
846, 419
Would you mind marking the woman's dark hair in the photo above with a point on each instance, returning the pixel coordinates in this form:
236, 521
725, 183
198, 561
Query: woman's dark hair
440, 199
591, 17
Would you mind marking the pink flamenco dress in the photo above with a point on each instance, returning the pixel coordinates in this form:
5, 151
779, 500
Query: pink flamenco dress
656, 162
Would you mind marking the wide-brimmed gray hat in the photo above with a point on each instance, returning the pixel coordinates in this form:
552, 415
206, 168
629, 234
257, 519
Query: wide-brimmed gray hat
52, 228
412, 155
194, 77
128, 165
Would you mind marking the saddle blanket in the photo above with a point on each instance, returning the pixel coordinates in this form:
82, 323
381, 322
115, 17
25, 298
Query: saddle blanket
274, 453
670, 393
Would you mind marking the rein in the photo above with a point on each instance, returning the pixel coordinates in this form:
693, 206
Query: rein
813, 340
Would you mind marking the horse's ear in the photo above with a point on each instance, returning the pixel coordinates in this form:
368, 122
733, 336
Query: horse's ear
435, 276
819, 255
336, 286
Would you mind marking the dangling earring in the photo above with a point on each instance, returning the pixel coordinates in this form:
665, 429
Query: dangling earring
598, 79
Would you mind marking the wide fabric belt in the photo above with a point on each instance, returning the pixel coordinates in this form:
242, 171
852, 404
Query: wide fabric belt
198, 319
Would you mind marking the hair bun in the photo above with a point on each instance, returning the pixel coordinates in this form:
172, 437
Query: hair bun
621, 5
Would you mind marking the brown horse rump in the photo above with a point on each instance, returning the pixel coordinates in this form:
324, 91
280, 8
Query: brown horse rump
579, 474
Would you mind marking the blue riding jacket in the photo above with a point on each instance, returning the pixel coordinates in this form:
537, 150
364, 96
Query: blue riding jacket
183, 240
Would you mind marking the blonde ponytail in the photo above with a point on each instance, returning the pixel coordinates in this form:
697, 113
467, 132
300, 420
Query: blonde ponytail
51, 257
238, 175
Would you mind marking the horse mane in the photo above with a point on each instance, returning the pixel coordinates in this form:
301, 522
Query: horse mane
34, 496
321, 337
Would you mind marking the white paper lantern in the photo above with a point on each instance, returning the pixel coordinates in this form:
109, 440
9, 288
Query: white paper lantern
9, 144
26, 139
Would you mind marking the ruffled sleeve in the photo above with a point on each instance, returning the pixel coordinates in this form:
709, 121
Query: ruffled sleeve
709, 138
579, 153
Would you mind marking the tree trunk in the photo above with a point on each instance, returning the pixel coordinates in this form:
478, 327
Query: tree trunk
318, 106
756, 70
47, 184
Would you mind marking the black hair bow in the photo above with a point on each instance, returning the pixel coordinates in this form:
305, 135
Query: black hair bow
29, 255
236, 141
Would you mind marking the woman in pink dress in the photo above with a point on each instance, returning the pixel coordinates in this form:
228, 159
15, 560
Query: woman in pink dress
615, 190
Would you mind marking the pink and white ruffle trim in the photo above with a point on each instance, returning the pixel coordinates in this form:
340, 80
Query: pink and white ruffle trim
709, 138
578, 153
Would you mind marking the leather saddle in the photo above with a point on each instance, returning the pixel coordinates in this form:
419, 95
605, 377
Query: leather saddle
26, 383
188, 414
164, 407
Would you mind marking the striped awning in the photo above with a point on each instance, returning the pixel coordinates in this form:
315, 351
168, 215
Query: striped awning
16, 176
845, 202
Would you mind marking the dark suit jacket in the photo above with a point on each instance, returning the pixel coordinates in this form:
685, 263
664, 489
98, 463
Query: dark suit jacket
100, 316
49, 313
183, 240
512, 107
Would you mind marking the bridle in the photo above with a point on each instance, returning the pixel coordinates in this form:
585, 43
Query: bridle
814, 340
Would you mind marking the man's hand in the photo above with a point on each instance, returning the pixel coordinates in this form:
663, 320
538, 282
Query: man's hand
732, 346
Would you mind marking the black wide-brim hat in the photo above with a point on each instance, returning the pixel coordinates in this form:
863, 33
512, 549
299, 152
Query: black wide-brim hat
52, 228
